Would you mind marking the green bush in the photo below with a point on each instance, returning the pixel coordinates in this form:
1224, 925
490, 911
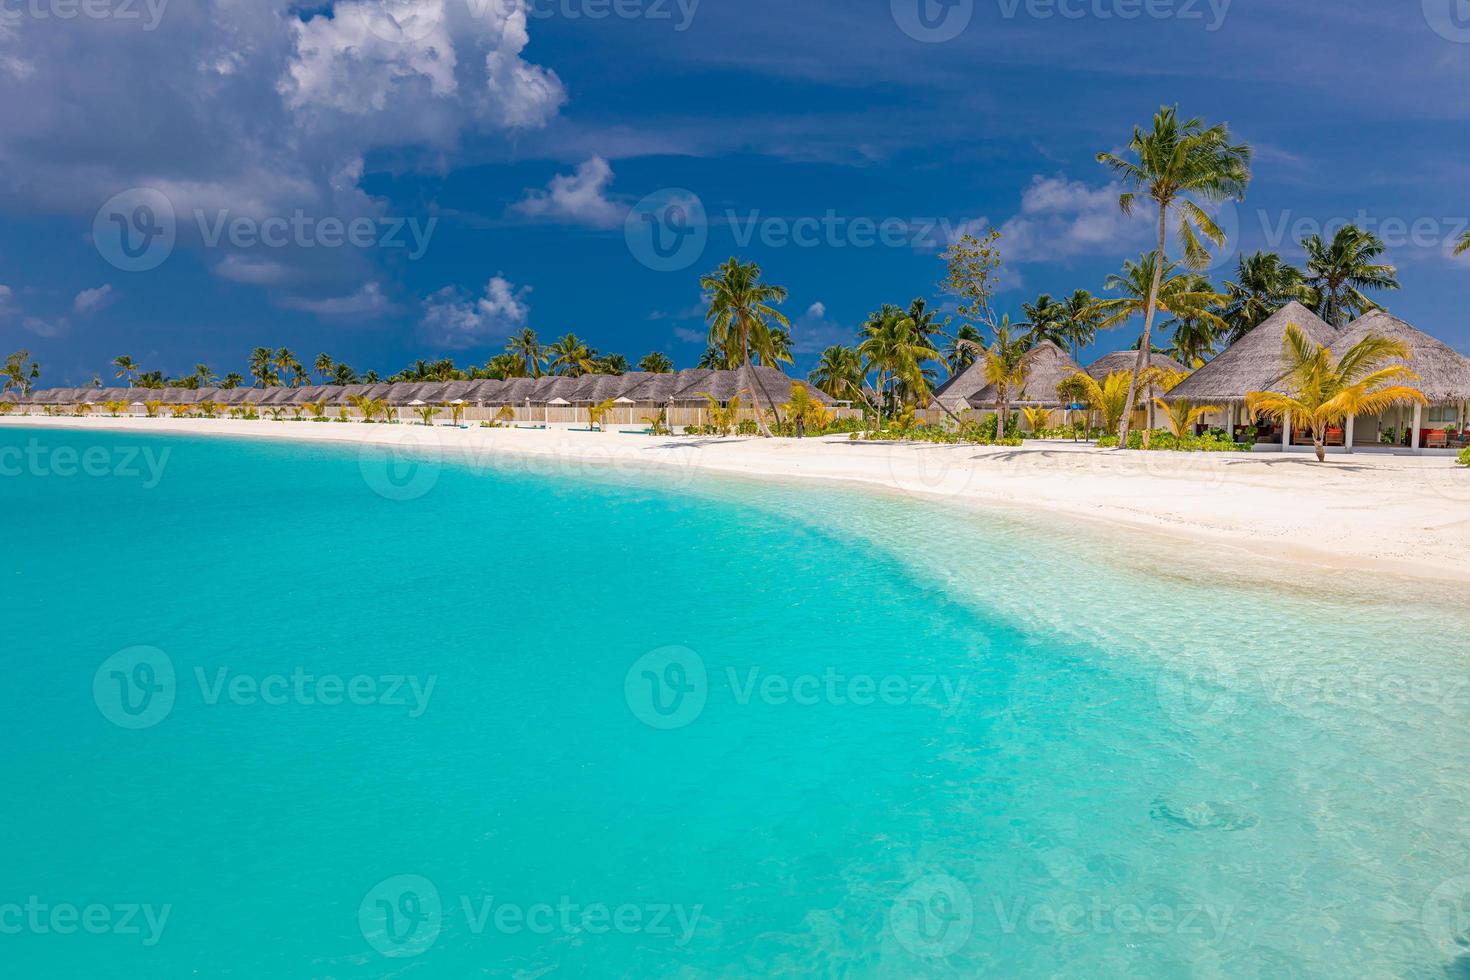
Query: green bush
1465, 456
1213, 441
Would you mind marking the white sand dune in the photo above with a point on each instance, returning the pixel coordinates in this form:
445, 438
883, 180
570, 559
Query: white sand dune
1401, 514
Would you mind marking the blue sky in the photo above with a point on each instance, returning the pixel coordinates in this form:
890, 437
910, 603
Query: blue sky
484, 157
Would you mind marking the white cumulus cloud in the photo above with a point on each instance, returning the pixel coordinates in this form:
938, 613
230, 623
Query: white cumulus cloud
577, 198
454, 320
368, 301
92, 300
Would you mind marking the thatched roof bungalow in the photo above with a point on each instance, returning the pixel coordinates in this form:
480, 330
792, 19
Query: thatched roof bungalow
1047, 366
1127, 360
1252, 363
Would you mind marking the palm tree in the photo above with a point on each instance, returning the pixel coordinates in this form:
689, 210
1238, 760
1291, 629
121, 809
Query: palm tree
1183, 415
203, 375
596, 413
1109, 399
892, 351
1045, 320
1144, 283
1005, 368
961, 352
1194, 333
714, 359
525, 346
777, 350
232, 380
839, 373
1176, 162
344, 375
613, 364
1263, 284
285, 361
925, 325
741, 310
323, 366
569, 356
1082, 318
1339, 272
1326, 389
125, 367
507, 365
656, 363
262, 366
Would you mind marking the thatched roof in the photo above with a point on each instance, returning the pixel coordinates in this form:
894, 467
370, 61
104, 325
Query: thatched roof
771, 385
1127, 360
960, 388
1254, 362
1047, 366
1444, 373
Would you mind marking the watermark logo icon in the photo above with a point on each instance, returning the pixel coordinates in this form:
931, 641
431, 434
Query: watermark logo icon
135, 688
933, 21
667, 230
135, 230
1450, 19
406, 466
401, 916
1196, 697
933, 917
667, 688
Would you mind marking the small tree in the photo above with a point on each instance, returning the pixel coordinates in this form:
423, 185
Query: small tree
596, 413
427, 413
1182, 416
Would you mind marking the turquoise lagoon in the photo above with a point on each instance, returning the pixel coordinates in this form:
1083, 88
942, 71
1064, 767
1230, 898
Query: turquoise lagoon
276, 710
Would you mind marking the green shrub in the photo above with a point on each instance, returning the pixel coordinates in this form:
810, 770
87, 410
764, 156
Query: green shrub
1214, 441
1465, 456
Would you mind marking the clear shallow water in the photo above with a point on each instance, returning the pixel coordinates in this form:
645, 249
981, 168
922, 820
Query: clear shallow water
1068, 756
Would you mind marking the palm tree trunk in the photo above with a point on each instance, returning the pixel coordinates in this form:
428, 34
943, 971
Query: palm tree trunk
1000, 417
1146, 342
747, 381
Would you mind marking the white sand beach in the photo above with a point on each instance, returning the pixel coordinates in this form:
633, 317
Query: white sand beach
1406, 515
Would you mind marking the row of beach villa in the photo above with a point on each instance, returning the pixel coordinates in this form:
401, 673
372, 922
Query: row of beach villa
1256, 363
635, 397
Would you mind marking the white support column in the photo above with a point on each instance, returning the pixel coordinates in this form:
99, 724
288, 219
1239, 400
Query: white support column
1347, 434
1285, 431
1418, 419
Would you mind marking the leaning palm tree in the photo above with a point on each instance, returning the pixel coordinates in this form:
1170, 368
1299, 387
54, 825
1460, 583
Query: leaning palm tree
1323, 389
1339, 271
839, 373
126, 368
963, 348
1005, 369
1262, 285
1177, 162
742, 309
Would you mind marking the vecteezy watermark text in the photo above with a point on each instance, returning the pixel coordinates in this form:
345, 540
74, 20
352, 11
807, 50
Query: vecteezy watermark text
148, 13
1211, 13
96, 462
38, 918
402, 917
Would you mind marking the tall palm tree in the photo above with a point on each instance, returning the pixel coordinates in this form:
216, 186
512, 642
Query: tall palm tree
839, 373
1262, 285
1081, 318
893, 352
1339, 271
203, 375
571, 357
1005, 368
126, 368
1177, 162
527, 347
323, 366
232, 380
656, 363
777, 349
342, 374
263, 367
1324, 389
507, 365
1045, 320
613, 364
742, 309
926, 322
